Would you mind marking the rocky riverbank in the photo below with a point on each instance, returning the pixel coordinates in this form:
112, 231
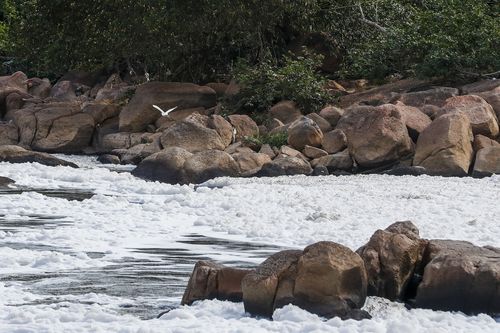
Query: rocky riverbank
406, 127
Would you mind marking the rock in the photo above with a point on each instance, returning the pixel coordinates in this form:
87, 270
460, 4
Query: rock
219, 88
415, 120
304, 132
493, 99
460, 277
15, 101
487, 162
320, 171
223, 128
479, 87
244, 125
323, 124
250, 161
8, 134
266, 149
101, 111
332, 114
108, 159
444, 148
274, 123
334, 141
193, 134
481, 141
285, 165
114, 91
326, 278
381, 94
376, 135
338, 161
137, 153
289, 151
391, 257
436, 96
431, 111
63, 91
285, 111
164, 166
112, 141
16, 154
5, 182
404, 170
313, 152
209, 164
15, 83
213, 281
140, 112
260, 286
481, 115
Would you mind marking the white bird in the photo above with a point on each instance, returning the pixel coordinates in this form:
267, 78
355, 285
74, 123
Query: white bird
234, 135
164, 113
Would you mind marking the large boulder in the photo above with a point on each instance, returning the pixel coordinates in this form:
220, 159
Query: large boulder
487, 162
139, 112
16, 154
323, 124
8, 134
479, 87
209, 164
459, 276
444, 148
334, 141
244, 126
376, 135
285, 166
285, 111
481, 115
331, 114
248, 161
194, 135
391, 258
436, 96
493, 99
137, 153
101, 111
339, 161
39, 87
481, 141
415, 120
15, 83
304, 132
326, 278
165, 166
210, 280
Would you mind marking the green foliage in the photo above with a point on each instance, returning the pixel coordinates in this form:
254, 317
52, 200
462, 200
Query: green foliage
274, 140
265, 84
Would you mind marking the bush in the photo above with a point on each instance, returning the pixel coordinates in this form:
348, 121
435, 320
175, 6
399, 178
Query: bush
274, 140
265, 84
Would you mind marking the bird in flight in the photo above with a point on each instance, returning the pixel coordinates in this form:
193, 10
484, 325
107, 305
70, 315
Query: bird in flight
164, 113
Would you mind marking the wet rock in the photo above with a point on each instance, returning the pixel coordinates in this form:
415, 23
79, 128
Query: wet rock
214, 281
487, 162
444, 148
285, 166
139, 112
16, 154
286, 112
462, 277
376, 135
209, 164
165, 166
304, 132
391, 257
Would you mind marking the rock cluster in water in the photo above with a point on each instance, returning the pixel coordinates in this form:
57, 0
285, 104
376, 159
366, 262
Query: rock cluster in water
330, 280
406, 127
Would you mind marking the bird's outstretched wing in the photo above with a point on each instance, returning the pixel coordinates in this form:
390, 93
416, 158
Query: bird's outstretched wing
164, 113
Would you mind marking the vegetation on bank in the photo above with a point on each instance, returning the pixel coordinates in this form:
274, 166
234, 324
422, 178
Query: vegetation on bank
258, 42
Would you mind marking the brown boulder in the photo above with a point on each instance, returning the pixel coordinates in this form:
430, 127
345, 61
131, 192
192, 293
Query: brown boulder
114, 90
444, 148
479, 87
248, 161
244, 126
137, 153
487, 162
164, 166
481, 141
140, 112
493, 99
435, 96
481, 115
391, 258
213, 281
415, 120
323, 124
331, 114
304, 132
268, 150
460, 277
39, 87
193, 134
101, 111
64, 91
285, 111
16, 154
15, 83
376, 135
285, 166
339, 161
334, 141
209, 164
8, 134
313, 152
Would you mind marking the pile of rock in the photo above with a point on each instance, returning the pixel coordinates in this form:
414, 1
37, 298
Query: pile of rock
407, 127
330, 280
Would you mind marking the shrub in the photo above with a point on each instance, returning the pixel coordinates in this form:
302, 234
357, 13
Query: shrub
265, 84
274, 140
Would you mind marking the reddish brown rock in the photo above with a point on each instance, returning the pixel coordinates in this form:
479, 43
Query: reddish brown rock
285, 111
304, 132
244, 126
165, 166
487, 162
481, 141
209, 164
332, 114
323, 124
415, 120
